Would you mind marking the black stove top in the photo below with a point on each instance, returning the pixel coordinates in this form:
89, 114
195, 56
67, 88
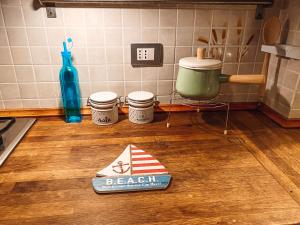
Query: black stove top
5, 124
11, 132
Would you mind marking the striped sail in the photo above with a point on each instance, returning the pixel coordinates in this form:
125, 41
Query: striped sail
114, 169
133, 161
144, 163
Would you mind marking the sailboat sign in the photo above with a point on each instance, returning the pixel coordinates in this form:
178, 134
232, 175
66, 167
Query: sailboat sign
133, 170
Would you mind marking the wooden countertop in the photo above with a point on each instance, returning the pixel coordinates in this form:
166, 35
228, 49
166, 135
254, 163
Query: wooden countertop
250, 176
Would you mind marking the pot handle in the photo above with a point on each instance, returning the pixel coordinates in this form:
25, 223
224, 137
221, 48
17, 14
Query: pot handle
224, 78
243, 79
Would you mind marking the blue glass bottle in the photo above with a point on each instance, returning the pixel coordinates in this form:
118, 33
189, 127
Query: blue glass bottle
70, 87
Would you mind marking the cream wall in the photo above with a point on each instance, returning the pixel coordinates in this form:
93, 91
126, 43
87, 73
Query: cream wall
30, 45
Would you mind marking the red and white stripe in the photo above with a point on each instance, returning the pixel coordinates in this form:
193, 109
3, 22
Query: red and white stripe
144, 163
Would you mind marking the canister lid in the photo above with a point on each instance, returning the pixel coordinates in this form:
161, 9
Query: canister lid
140, 96
200, 64
103, 96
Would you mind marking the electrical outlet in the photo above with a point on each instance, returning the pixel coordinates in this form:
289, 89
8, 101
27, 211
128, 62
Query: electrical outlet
148, 54
145, 54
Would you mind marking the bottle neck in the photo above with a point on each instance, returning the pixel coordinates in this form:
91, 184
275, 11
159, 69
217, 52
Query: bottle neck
67, 61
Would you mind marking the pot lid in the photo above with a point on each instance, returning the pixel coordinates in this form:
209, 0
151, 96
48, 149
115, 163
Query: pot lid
200, 64
103, 96
140, 96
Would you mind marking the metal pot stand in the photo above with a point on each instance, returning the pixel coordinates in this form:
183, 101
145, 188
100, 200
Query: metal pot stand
194, 103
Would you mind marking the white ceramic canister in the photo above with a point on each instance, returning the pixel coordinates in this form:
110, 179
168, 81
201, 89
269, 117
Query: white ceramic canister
141, 106
104, 106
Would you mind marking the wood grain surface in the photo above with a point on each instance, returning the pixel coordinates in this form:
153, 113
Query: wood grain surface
250, 176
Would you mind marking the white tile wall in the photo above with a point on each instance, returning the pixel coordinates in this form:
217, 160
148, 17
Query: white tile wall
24, 74
21, 55
112, 17
150, 17
43, 73
28, 90
17, 36
37, 36
10, 91
30, 46
5, 56
284, 74
7, 74
13, 16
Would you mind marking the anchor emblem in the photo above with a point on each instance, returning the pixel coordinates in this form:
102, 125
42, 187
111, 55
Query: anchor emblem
120, 166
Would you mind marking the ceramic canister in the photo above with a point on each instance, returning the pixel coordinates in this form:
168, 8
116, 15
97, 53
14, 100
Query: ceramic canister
141, 107
104, 106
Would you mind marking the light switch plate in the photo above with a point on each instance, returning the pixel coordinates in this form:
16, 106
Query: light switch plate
146, 54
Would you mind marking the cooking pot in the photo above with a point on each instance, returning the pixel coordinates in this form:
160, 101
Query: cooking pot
200, 78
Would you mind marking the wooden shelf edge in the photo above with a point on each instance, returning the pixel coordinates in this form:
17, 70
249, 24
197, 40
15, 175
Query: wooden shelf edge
279, 119
41, 112
276, 117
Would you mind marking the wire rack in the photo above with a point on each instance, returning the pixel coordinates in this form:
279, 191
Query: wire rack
197, 104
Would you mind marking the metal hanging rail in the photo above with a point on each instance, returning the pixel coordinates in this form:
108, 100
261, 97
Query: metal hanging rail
167, 2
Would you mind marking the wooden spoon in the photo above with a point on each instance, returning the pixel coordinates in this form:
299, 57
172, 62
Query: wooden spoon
271, 33
271, 30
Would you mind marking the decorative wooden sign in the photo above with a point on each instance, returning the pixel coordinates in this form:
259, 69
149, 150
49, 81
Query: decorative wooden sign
133, 170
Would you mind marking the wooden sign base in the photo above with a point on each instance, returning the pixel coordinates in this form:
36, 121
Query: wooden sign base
130, 183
